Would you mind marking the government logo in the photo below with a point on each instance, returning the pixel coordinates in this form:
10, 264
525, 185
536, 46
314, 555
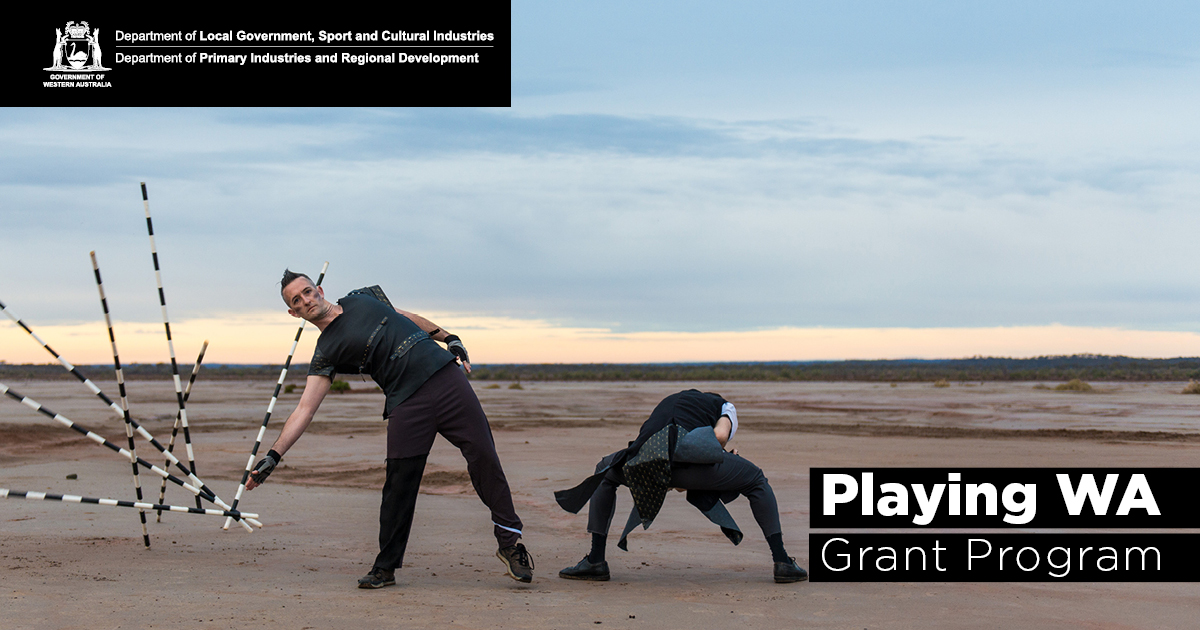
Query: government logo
77, 49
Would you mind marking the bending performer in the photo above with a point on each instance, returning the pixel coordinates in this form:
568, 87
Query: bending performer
681, 446
427, 394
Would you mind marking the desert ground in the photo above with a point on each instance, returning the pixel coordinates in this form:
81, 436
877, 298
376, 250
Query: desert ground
84, 566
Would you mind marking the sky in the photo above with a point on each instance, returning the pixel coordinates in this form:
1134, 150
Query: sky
674, 181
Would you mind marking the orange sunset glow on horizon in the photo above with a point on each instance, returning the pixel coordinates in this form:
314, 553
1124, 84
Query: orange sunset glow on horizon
266, 337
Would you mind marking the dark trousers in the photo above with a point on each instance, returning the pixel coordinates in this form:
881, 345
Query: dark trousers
735, 474
444, 405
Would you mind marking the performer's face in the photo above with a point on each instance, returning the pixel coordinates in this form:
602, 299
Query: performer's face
305, 300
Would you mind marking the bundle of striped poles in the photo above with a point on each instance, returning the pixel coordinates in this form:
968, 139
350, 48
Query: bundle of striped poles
193, 483
204, 492
101, 440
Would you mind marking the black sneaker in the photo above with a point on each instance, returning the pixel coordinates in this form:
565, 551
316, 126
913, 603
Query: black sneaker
518, 562
586, 570
377, 578
789, 571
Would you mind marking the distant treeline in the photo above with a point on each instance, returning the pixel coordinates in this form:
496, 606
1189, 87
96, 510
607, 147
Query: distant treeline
1052, 368
149, 370
1058, 368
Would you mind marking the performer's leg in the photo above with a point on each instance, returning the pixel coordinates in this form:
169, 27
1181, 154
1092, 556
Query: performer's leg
603, 504
396, 512
734, 474
600, 514
412, 425
411, 430
461, 421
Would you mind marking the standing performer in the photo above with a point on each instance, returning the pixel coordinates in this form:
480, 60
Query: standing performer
427, 394
681, 446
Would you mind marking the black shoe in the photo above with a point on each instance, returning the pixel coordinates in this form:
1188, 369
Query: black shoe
586, 570
518, 562
789, 571
377, 578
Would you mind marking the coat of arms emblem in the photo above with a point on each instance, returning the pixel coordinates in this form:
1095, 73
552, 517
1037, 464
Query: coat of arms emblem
77, 49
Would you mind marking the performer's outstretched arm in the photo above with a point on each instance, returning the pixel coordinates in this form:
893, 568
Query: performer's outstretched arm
315, 389
435, 332
453, 343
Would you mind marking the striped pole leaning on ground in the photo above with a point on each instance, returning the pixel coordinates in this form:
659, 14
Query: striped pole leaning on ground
112, 338
96, 390
99, 439
187, 393
66, 364
206, 493
85, 380
5, 493
162, 300
262, 430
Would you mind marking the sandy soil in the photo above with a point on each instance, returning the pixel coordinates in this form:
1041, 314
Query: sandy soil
72, 566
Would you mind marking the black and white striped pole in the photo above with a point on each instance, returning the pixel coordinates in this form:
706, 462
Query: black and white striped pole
206, 492
262, 430
112, 338
66, 364
5, 493
99, 439
187, 393
162, 300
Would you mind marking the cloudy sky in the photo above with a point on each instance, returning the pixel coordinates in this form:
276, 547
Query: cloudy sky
683, 181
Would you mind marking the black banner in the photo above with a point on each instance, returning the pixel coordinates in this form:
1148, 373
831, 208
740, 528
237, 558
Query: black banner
1003, 557
391, 55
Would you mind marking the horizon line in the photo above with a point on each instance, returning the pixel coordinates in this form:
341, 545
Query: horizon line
672, 363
